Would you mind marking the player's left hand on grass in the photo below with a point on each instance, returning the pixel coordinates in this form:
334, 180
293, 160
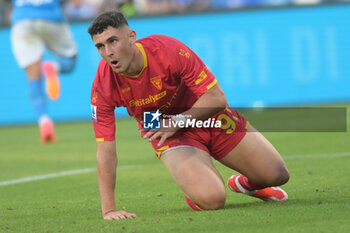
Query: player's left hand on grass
118, 215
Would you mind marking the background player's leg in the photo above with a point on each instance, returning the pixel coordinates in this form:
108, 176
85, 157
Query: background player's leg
195, 173
28, 48
36, 93
51, 69
59, 40
257, 159
66, 64
38, 100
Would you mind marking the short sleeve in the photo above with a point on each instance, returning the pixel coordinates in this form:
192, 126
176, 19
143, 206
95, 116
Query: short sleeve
102, 115
192, 70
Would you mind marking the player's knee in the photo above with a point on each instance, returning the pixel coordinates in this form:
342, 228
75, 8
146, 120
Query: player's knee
278, 176
274, 176
283, 175
66, 64
212, 201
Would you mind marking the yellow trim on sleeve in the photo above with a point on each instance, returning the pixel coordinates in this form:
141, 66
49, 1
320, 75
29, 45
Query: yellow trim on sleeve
247, 125
212, 84
100, 139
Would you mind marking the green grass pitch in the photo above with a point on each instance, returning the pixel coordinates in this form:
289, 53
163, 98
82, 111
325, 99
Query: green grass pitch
319, 190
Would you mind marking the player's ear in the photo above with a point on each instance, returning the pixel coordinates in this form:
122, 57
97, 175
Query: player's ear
132, 36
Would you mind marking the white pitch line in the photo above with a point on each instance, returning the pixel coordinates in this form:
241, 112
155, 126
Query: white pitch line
312, 156
68, 173
46, 176
129, 167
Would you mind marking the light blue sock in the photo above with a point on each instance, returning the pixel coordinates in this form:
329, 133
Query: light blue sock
37, 96
66, 64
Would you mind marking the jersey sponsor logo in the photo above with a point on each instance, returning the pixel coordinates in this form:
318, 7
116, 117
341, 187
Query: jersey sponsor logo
150, 99
170, 102
126, 89
94, 113
94, 97
151, 120
157, 82
184, 53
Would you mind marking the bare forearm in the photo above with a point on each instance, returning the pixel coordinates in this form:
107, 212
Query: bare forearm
210, 103
106, 173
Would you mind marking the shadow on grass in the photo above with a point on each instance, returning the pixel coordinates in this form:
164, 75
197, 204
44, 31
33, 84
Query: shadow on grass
252, 205
227, 206
246, 205
258, 204
290, 202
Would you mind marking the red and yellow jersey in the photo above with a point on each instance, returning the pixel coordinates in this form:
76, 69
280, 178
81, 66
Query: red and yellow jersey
173, 78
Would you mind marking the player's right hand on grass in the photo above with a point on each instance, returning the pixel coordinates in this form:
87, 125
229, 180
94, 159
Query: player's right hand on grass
118, 214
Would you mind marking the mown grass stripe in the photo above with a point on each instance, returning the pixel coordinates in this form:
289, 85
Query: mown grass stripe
130, 167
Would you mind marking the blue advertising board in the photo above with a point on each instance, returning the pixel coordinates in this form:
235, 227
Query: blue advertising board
276, 57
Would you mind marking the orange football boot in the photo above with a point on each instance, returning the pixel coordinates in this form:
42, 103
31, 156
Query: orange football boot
266, 194
53, 86
47, 131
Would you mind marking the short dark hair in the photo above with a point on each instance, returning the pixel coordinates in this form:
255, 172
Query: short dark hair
110, 18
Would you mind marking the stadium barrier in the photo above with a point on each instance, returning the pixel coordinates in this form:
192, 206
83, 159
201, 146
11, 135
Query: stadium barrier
272, 57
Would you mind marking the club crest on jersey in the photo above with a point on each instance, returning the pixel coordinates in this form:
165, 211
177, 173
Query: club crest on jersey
93, 113
157, 82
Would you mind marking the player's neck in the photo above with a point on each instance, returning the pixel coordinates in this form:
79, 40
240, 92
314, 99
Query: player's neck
136, 64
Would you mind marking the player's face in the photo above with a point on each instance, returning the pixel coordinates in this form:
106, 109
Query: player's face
115, 46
